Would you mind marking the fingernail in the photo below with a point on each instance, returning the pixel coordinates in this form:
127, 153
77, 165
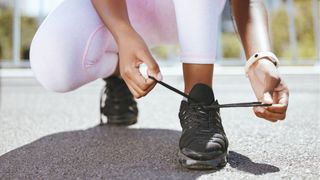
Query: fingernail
159, 76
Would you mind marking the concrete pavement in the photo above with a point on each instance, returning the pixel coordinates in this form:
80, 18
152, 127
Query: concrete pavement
45, 135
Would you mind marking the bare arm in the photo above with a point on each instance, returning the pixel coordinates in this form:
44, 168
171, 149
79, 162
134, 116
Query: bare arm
252, 24
132, 48
114, 14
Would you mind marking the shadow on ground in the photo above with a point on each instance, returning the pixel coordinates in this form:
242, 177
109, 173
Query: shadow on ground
243, 163
109, 152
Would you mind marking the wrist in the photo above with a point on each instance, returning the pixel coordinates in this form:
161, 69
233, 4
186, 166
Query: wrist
122, 32
264, 55
264, 62
261, 68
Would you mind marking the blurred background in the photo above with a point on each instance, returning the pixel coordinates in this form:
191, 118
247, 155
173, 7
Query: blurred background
294, 28
45, 134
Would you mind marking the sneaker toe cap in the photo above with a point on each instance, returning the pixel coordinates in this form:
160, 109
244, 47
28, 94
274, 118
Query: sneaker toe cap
205, 149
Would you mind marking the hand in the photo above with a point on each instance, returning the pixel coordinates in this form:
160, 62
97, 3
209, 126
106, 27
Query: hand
269, 88
132, 53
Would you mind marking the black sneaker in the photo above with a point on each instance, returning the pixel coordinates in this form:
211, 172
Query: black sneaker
117, 105
203, 143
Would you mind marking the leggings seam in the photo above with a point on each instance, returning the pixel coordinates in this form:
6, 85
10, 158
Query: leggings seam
88, 44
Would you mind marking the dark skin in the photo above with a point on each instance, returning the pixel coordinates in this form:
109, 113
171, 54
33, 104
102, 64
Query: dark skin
251, 21
252, 24
132, 49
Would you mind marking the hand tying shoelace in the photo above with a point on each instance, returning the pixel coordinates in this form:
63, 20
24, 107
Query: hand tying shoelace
215, 106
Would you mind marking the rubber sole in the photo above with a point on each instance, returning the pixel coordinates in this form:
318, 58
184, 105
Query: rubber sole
212, 164
123, 120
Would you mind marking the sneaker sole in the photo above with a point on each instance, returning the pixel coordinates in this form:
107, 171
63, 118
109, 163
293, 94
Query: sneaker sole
123, 120
213, 164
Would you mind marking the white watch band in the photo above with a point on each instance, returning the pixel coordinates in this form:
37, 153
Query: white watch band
259, 55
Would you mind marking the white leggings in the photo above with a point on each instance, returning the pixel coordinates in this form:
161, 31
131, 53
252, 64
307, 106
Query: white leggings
73, 47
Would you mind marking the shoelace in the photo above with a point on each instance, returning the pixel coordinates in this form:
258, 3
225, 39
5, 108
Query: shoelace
199, 118
202, 115
215, 106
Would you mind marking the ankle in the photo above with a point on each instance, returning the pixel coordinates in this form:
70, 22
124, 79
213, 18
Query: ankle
189, 85
197, 73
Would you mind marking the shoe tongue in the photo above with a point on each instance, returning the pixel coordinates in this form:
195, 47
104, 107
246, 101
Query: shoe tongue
202, 93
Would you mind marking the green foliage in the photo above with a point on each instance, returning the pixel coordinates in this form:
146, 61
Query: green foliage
229, 41
231, 45
5, 33
304, 31
165, 52
28, 28
279, 31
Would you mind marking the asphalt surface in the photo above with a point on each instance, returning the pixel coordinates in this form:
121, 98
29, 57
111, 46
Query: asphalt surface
45, 135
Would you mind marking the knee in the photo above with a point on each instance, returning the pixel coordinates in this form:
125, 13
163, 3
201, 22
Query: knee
58, 87
53, 73
55, 81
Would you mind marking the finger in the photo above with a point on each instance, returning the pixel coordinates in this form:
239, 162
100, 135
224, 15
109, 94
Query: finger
139, 92
277, 108
282, 95
257, 113
133, 91
145, 92
141, 85
158, 76
267, 98
153, 67
266, 115
273, 116
263, 117
137, 80
150, 88
133, 87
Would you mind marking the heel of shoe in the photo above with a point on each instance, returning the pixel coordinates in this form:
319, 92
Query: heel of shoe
123, 120
212, 164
